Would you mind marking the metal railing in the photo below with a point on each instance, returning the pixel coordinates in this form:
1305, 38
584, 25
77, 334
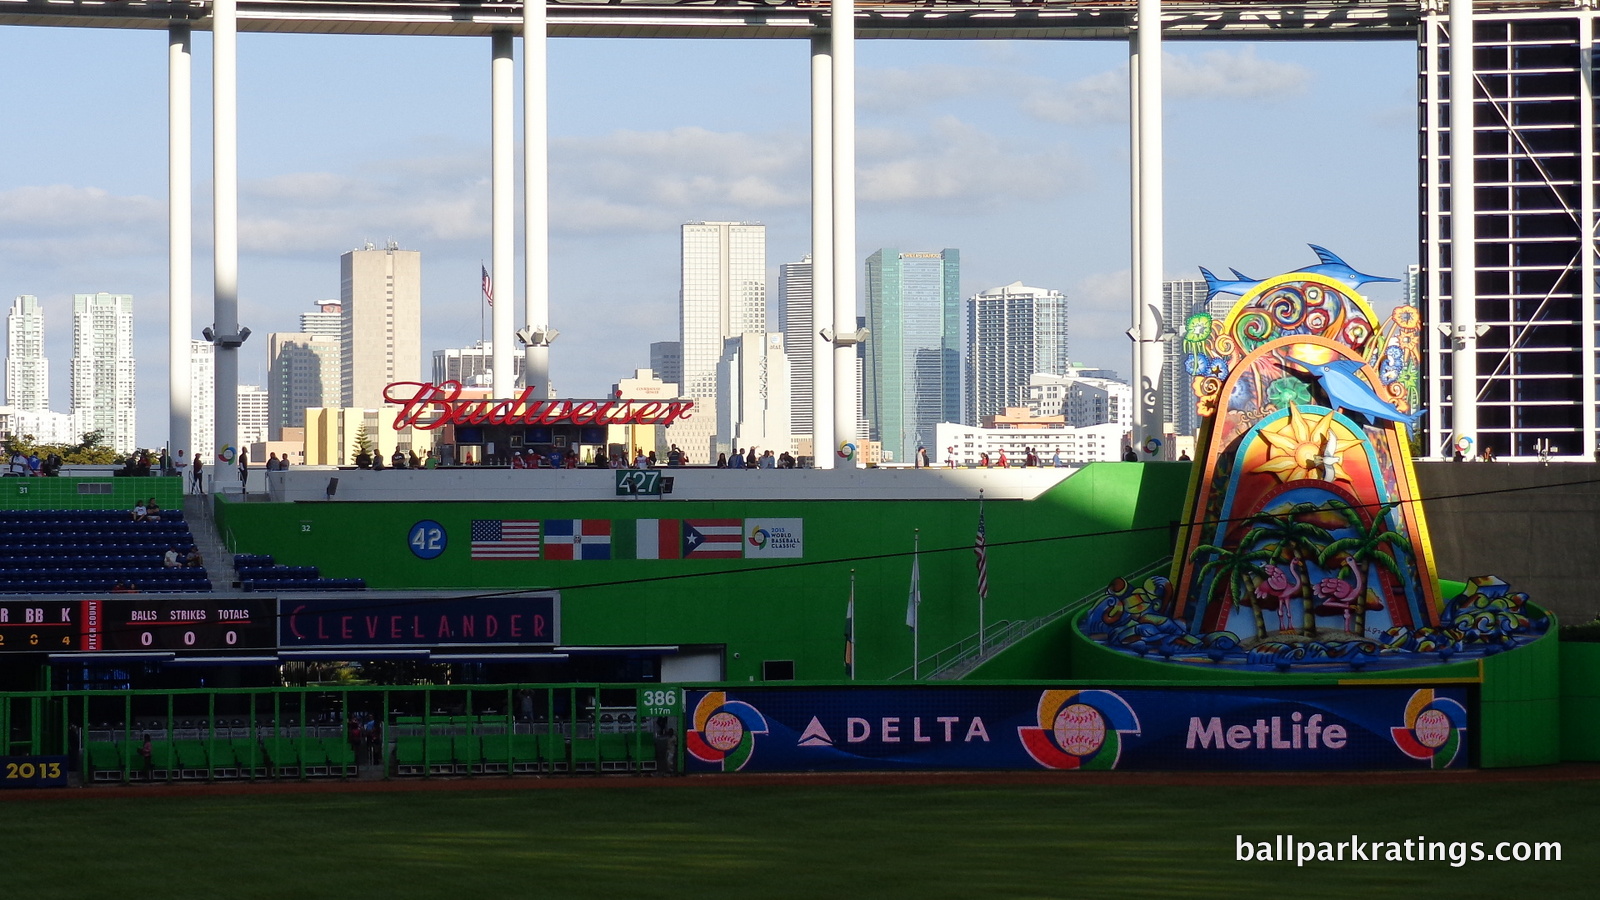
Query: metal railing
955, 661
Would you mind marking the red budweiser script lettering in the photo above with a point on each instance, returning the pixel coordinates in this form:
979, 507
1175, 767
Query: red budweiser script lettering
427, 406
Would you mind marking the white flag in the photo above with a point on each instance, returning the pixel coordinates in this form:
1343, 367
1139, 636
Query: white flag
915, 600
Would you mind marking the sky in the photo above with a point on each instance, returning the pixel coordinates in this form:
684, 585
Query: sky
1014, 152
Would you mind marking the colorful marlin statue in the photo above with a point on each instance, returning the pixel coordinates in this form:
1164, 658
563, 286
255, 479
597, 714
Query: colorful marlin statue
1304, 538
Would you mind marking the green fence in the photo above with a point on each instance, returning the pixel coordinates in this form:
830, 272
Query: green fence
341, 732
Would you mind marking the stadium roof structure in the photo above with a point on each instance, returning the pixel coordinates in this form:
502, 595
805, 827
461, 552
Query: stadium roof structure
897, 19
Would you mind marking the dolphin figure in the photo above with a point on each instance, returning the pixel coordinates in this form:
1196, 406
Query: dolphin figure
1347, 390
1242, 276
1215, 285
1334, 267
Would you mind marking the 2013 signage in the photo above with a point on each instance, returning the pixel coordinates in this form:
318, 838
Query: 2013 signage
426, 406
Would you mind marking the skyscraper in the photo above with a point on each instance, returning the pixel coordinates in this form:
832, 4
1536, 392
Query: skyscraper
328, 320
1179, 300
913, 363
103, 366
1013, 333
799, 339
304, 373
27, 370
203, 400
381, 295
666, 361
467, 365
753, 394
253, 415
724, 295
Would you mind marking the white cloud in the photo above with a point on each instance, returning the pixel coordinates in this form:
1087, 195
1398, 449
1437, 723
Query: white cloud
1232, 74
958, 162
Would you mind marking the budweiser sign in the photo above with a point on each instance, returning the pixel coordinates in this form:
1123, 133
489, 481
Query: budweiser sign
427, 406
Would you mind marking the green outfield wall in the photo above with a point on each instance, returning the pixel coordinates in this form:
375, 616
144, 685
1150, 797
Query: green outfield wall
89, 493
1106, 520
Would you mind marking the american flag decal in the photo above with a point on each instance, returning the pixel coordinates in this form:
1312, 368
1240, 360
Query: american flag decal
505, 539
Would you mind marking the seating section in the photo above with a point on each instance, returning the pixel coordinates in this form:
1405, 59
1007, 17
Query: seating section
75, 551
468, 745
191, 754
259, 572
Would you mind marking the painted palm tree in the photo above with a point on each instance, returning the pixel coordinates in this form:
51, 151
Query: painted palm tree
1289, 537
1364, 549
1233, 568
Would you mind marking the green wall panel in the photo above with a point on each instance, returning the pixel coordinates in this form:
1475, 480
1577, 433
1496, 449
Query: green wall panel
1107, 520
67, 493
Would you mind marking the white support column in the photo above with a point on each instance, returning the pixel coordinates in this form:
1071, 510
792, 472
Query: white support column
1438, 436
1463, 229
225, 224
180, 236
502, 220
1135, 378
846, 390
1149, 253
822, 378
1586, 148
536, 197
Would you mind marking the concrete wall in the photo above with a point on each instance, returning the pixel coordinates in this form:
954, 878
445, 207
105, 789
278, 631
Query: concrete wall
1536, 526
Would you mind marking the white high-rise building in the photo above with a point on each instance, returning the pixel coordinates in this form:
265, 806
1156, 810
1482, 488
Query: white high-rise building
203, 400
799, 339
303, 374
1179, 300
103, 366
1083, 397
468, 365
253, 415
753, 395
1013, 332
723, 295
380, 294
27, 369
328, 320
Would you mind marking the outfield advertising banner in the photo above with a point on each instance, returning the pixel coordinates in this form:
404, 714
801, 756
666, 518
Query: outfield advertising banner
1251, 729
355, 621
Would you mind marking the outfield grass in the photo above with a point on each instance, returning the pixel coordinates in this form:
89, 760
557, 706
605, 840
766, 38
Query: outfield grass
735, 843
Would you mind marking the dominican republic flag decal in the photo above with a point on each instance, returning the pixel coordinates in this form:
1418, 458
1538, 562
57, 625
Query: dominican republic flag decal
713, 539
577, 539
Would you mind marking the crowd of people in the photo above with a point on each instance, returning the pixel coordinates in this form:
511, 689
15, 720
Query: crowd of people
999, 460
373, 459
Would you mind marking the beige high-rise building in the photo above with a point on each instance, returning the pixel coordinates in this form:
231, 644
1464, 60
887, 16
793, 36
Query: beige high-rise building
381, 295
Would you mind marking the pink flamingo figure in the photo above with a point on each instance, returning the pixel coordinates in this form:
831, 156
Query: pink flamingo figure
1279, 587
1338, 594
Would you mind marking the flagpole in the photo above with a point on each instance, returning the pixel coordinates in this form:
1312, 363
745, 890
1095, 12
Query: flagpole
916, 604
981, 591
852, 624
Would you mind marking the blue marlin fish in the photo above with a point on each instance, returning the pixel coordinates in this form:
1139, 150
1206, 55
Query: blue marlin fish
1334, 267
1215, 285
1347, 390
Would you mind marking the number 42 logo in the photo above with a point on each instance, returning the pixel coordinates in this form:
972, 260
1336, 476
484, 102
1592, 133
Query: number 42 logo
427, 539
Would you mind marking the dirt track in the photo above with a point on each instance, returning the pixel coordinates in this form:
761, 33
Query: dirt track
1564, 772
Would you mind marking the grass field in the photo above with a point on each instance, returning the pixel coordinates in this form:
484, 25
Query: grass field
741, 842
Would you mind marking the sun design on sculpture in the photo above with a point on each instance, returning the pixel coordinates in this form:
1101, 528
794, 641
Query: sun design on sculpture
1302, 448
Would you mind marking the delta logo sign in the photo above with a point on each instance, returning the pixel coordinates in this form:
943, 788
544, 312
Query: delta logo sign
1435, 729
724, 731
1079, 730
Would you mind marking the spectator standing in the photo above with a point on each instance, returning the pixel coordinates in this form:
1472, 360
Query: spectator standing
244, 471
398, 460
199, 485
752, 461
272, 462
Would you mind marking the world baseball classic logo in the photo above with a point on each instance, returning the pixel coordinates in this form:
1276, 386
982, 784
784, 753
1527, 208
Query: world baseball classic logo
1435, 729
724, 731
1079, 730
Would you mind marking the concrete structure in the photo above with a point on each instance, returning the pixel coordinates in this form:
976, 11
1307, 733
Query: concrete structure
1012, 332
1096, 443
796, 321
752, 395
723, 295
103, 367
1082, 397
666, 361
381, 295
303, 373
644, 385
45, 427
468, 365
27, 369
913, 359
327, 320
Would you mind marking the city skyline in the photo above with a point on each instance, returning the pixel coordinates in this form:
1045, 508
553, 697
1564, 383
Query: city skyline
634, 158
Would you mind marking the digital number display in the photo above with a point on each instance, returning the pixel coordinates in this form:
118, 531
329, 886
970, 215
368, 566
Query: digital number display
33, 771
41, 626
638, 482
188, 623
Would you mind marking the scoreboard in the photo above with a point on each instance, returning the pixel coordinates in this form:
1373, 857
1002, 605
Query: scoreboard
167, 622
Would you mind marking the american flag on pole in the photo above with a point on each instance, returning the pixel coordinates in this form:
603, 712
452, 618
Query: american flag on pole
980, 547
488, 285
505, 539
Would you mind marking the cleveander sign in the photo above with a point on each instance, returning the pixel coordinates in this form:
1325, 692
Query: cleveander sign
533, 620
427, 406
